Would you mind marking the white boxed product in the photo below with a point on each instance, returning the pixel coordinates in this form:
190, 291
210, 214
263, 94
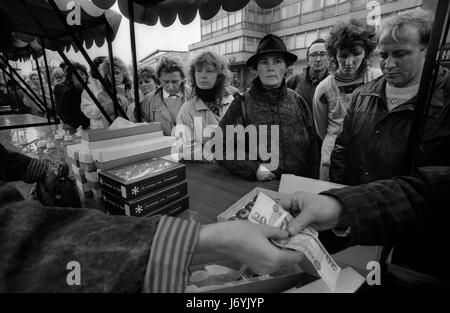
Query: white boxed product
130, 149
120, 140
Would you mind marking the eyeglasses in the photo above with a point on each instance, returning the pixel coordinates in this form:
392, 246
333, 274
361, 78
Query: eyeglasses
316, 54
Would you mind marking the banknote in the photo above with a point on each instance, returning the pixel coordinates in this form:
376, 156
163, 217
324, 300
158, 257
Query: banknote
267, 212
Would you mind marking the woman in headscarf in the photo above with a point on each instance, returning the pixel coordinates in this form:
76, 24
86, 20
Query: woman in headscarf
200, 115
272, 115
350, 45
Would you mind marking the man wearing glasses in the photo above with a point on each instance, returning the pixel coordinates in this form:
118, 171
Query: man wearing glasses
305, 83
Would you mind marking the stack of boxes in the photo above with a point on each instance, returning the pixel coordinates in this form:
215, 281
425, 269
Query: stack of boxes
104, 149
155, 186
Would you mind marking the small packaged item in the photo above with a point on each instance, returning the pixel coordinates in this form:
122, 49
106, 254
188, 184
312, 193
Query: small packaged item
135, 180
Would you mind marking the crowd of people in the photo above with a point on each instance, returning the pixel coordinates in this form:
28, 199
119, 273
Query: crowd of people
347, 124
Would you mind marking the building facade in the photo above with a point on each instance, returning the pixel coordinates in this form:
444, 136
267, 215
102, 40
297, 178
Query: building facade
154, 57
297, 22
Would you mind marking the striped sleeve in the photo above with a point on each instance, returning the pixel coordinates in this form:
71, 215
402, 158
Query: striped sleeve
171, 253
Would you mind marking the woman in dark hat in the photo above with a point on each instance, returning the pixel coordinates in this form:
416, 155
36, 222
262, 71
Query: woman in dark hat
276, 116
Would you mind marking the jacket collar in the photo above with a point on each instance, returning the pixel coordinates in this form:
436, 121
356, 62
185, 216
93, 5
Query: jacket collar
377, 88
272, 96
310, 79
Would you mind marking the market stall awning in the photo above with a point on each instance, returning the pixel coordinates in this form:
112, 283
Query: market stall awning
91, 28
149, 11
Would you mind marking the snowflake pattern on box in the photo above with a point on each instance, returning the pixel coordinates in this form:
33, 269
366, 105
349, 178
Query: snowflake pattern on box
135, 190
139, 209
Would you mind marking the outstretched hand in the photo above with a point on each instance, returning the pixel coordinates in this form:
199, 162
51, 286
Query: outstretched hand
248, 243
318, 211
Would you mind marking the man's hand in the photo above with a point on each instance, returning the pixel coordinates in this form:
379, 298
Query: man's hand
318, 211
248, 243
264, 174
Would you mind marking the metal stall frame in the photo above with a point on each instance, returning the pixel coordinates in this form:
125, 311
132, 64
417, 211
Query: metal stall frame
64, 57
88, 59
428, 80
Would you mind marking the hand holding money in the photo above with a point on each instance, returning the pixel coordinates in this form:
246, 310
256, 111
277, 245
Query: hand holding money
266, 212
318, 211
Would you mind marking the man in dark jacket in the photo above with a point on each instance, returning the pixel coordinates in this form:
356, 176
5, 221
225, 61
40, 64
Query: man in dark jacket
411, 211
305, 83
374, 138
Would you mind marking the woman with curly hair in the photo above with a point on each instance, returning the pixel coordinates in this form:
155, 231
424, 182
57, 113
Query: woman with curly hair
125, 94
350, 45
208, 73
147, 79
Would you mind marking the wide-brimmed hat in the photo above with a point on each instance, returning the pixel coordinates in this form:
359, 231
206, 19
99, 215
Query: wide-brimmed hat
271, 44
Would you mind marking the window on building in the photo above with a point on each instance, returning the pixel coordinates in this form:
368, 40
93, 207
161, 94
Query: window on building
324, 33
251, 17
310, 37
219, 24
307, 6
300, 41
208, 28
294, 9
232, 19
203, 29
317, 4
276, 15
213, 26
222, 47
238, 16
225, 22
260, 18
249, 44
290, 42
229, 46
284, 13
329, 2
236, 47
268, 17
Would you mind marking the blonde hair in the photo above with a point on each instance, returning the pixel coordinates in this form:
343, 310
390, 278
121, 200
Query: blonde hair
105, 71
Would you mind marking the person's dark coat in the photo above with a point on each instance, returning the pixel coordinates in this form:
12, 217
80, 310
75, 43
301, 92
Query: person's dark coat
71, 113
304, 86
277, 107
373, 141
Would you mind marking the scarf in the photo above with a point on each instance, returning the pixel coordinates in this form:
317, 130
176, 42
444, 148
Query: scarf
211, 98
273, 96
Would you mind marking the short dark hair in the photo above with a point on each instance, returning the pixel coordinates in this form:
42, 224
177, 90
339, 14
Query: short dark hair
345, 36
169, 65
318, 40
75, 67
147, 72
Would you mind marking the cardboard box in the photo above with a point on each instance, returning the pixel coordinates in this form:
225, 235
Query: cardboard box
121, 140
132, 148
290, 184
172, 208
133, 180
132, 159
149, 202
279, 281
241, 208
105, 134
